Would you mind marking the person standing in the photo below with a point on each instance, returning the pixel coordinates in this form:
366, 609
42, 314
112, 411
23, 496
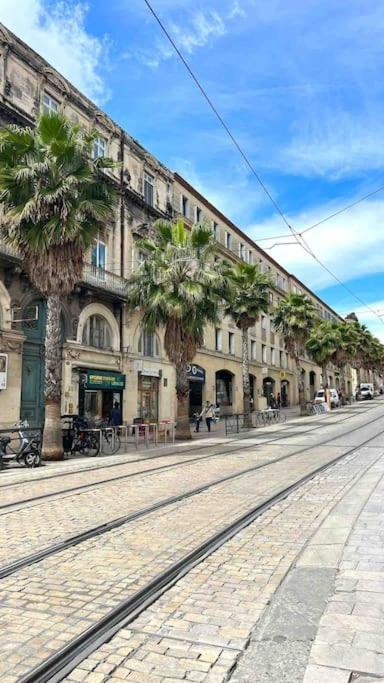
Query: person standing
209, 413
115, 415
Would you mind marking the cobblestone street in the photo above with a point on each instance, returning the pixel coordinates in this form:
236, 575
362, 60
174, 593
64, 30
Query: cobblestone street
294, 592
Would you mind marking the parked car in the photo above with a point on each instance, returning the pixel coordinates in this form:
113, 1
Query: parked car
320, 397
365, 392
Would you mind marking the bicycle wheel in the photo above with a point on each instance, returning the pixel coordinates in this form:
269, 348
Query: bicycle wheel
111, 443
93, 445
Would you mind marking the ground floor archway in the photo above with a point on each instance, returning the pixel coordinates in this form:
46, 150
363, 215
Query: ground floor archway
284, 393
312, 384
269, 389
224, 390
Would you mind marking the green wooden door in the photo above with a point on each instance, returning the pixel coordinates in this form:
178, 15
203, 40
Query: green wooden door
32, 383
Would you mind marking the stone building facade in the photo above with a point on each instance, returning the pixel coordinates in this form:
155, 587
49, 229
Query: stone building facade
106, 356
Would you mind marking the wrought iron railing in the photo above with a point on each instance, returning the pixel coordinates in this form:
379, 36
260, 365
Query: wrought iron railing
238, 422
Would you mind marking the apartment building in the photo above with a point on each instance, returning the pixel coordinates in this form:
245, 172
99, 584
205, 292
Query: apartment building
106, 356
103, 349
272, 370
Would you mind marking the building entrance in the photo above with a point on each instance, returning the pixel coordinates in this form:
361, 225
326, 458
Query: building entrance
98, 391
196, 377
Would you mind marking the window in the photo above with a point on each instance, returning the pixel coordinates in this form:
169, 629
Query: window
253, 349
270, 295
283, 359
264, 353
228, 240
231, 342
218, 339
198, 214
149, 345
98, 255
273, 357
250, 256
215, 230
184, 206
99, 148
97, 332
148, 188
50, 105
241, 250
263, 322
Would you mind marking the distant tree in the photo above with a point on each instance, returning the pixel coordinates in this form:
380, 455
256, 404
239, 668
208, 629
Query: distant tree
248, 296
294, 319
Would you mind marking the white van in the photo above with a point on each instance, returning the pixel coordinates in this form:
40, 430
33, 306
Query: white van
365, 391
320, 397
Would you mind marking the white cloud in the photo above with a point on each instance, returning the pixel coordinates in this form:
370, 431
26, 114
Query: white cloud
335, 144
351, 245
197, 29
58, 33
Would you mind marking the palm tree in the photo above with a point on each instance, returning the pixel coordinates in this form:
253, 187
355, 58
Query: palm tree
55, 199
179, 288
346, 350
294, 319
248, 297
322, 346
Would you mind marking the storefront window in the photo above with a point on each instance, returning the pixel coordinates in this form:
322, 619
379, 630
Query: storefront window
149, 345
97, 332
148, 398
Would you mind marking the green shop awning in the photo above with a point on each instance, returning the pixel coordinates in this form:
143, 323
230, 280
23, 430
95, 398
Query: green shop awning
102, 379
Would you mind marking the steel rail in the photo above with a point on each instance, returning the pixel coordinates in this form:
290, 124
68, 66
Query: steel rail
15, 506
191, 446
100, 529
58, 665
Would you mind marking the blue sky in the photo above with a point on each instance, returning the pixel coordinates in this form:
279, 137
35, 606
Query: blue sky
299, 83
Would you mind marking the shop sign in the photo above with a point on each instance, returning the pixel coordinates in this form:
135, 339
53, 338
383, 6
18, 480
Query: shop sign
196, 373
150, 372
3, 370
102, 379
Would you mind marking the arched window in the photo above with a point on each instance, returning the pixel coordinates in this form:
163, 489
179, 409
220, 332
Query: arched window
149, 345
97, 332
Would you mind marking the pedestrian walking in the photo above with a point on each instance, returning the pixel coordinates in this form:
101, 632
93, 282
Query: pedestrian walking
197, 419
209, 413
278, 400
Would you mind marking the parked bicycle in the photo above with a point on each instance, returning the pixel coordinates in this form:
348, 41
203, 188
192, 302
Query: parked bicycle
28, 452
78, 440
110, 437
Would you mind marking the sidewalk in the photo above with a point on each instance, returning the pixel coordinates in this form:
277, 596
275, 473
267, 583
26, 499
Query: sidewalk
325, 623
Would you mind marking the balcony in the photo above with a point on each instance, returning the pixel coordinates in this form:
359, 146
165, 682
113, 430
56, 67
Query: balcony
103, 279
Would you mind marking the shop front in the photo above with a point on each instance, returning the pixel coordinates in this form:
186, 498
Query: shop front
98, 391
148, 395
196, 378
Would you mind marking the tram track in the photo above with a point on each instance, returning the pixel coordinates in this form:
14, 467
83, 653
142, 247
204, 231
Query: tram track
191, 446
17, 505
100, 529
58, 665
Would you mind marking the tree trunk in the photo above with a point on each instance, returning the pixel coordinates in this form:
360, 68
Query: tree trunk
324, 370
301, 388
246, 382
52, 438
183, 428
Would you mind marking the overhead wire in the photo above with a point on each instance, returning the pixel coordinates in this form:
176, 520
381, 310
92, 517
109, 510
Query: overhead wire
298, 236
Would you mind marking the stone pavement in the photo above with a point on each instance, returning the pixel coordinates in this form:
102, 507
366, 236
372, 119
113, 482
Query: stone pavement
198, 630
209, 616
